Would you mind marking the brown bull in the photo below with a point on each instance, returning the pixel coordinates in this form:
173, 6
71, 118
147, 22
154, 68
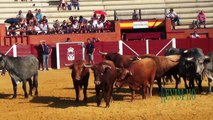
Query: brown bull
105, 76
164, 64
80, 76
140, 74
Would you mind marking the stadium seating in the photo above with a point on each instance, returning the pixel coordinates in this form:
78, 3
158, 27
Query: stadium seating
150, 9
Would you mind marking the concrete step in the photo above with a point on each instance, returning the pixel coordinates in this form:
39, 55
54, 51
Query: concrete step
125, 7
190, 27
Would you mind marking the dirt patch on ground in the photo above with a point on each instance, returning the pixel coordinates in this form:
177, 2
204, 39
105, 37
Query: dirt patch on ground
56, 101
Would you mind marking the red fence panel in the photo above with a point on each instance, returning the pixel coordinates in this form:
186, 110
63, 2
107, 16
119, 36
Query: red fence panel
156, 45
201, 43
104, 47
138, 46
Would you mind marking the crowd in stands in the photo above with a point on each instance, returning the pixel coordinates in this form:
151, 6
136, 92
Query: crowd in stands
37, 23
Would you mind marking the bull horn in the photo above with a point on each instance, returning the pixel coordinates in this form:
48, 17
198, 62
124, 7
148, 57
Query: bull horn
185, 51
206, 57
102, 53
68, 65
88, 66
190, 58
107, 66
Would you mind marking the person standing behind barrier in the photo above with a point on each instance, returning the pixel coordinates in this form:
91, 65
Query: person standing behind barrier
46, 52
90, 49
195, 35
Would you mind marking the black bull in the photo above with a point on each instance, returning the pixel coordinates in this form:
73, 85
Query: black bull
21, 69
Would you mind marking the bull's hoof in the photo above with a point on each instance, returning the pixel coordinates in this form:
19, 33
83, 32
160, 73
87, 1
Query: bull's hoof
14, 97
98, 104
26, 96
30, 93
107, 105
36, 93
85, 99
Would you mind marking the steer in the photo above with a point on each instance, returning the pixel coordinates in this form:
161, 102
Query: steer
164, 64
80, 77
21, 69
105, 76
141, 75
196, 58
208, 69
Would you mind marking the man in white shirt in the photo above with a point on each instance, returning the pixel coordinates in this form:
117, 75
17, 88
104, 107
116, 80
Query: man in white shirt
100, 26
195, 35
44, 27
174, 17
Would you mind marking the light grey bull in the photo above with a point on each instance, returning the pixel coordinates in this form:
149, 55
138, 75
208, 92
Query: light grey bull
208, 71
21, 69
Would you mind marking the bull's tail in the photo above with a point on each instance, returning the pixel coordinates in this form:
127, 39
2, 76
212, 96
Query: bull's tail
35, 83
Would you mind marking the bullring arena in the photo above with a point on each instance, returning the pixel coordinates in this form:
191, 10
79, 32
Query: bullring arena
150, 32
56, 101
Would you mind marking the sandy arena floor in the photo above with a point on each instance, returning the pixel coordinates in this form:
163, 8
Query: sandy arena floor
56, 102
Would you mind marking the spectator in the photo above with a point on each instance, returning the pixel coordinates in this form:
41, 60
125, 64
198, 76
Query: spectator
44, 27
69, 5
99, 27
195, 35
36, 29
201, 19
75, 26
90, 26
90, 49
75, 4
83, 24
23, 28
123, 36
95, 40
30, 17
38, 15
64, 27
174, 17
46, 52
69, 24
12, 29
102, 18
44, 19
20, 16
94, 21
56, 27
68, 40
108, 26
95, 17
29, 30
135, 15
62, 5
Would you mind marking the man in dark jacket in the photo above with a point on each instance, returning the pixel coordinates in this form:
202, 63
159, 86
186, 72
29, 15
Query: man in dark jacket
90, 49
46, 52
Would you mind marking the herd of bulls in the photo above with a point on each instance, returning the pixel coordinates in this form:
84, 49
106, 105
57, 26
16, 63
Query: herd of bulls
140, 72
137, 72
